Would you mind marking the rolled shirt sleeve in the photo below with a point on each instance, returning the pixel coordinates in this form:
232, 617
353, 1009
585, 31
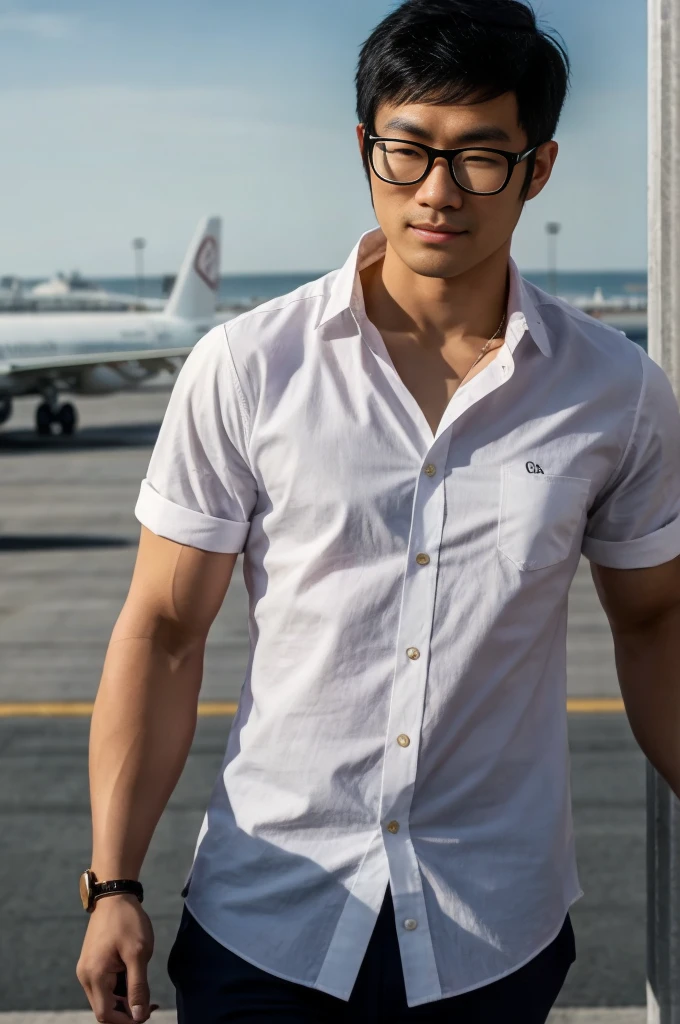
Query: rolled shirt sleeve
199, 489
635, 522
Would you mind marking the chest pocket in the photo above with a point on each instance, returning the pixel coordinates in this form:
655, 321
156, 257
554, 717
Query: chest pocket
540, 517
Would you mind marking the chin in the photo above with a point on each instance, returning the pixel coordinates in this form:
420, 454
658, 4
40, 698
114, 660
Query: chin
436, 265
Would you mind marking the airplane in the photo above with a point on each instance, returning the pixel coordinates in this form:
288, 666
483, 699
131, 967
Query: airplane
72, 293
100, 353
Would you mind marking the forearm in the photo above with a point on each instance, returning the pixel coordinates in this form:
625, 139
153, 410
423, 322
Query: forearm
648, 663
142, 728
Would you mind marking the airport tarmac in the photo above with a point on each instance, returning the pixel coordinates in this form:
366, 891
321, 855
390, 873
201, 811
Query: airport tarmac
636, 1015
67, 546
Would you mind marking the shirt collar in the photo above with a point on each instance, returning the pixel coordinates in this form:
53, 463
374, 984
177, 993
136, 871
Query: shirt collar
346, 294
346, 288
523, 316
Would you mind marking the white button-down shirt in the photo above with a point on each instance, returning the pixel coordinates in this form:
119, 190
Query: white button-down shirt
403, 719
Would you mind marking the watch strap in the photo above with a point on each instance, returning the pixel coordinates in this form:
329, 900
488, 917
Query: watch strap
117, 887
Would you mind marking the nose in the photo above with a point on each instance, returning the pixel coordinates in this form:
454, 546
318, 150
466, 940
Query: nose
439, 190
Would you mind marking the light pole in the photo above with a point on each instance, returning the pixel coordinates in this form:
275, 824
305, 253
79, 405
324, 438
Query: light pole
553, 229
138, 245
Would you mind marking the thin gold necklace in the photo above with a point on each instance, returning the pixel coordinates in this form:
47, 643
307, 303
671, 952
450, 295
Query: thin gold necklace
485, 348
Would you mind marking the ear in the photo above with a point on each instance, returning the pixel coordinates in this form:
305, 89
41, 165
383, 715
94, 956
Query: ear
361, 136
545, 161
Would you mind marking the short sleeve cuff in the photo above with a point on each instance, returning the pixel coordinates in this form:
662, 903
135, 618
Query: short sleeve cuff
185, 526
645, 553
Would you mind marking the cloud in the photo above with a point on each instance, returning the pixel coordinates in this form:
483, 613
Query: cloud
40, 24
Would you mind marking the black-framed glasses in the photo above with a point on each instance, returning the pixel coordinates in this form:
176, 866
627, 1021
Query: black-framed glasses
479, 171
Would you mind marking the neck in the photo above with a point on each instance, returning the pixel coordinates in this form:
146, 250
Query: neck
437, 312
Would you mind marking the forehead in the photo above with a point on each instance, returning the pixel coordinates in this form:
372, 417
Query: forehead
446, 124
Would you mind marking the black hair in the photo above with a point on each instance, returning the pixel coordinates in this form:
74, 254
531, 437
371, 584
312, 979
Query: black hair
455, 51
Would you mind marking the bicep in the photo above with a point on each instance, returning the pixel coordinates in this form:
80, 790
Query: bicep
635, 598
634, 522
176, 591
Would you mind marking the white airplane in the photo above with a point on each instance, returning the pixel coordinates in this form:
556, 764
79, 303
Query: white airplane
73, 293
99, 353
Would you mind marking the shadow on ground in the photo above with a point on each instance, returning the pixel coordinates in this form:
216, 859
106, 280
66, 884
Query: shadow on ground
59, 542
129, 435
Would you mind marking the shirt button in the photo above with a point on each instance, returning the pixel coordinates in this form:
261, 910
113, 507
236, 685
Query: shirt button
423, 559
410, 925
430, 470
403, 740
393, 827
413, 653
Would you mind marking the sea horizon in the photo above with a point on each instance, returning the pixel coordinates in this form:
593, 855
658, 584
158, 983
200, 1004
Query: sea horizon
251, 289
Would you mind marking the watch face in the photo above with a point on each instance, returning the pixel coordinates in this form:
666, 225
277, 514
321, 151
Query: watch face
85, 889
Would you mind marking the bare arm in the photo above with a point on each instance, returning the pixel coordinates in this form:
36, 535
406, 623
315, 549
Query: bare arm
145, 713
643, 607
142, 728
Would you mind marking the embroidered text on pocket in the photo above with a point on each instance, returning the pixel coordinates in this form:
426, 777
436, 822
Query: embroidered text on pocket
540, 517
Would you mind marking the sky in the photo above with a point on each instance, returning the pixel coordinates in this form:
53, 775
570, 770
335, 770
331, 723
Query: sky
136, 119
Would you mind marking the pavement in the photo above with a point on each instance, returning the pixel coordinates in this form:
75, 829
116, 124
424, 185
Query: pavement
590, 1016
67, 547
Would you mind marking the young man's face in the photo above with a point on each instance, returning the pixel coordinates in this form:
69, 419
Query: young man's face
477, 225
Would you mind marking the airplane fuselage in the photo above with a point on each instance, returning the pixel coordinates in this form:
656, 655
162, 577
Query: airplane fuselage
42, 336
100, 353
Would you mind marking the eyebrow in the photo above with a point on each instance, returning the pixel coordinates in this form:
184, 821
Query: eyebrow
482, 133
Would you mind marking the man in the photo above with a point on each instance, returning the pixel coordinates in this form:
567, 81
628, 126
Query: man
412, 454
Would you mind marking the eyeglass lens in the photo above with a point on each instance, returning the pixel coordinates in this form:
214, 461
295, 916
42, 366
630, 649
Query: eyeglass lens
475, 169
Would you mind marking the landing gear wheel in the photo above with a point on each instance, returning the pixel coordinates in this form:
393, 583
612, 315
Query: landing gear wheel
67, 418
43, 420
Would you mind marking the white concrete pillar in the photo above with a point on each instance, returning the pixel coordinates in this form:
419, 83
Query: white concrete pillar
663, 809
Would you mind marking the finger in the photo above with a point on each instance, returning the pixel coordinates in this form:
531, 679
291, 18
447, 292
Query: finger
105, 1011
121, 991
105, 1001
113, 1017
138, 995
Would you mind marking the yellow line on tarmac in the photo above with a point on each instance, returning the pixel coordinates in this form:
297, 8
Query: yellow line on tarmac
590, 706
212, 709
81, 709
216, 709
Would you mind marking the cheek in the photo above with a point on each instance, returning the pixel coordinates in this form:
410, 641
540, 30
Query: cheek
496, 216
388, 200
391, 210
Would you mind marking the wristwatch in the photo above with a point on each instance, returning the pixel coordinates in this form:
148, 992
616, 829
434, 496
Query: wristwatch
91, 890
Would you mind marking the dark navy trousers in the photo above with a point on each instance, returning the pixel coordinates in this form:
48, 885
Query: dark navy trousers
215, 986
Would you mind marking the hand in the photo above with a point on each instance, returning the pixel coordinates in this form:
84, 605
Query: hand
119, 938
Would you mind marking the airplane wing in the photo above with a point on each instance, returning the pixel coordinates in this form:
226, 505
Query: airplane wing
152, 358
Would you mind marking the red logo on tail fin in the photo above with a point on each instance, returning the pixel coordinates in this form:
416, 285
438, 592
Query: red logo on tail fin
207, 262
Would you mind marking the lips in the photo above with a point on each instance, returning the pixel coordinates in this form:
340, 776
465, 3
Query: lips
436, 235
443, 230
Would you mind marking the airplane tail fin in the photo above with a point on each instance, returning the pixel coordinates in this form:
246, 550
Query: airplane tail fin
194, 295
